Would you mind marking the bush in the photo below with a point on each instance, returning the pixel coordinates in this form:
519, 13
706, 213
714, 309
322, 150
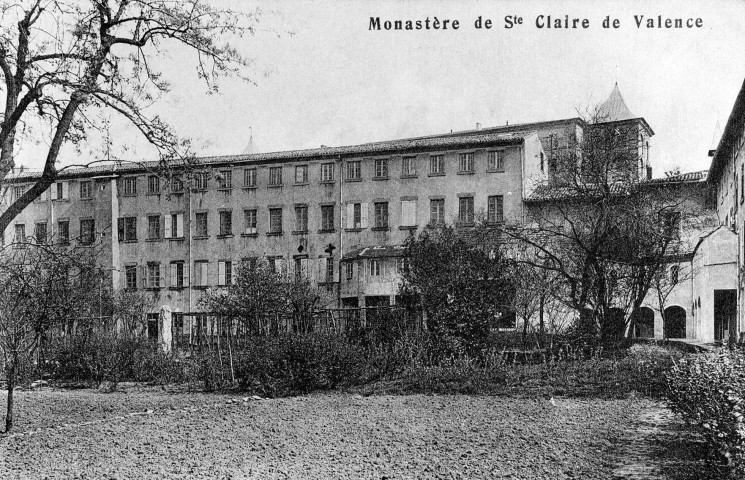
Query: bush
100, 357
708, 390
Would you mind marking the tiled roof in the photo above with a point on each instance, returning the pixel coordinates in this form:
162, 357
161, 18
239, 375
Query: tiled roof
614, 109
544, 193
445, 141
378, 251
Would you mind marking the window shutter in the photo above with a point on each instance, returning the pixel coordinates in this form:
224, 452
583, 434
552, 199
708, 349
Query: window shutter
233, 273
336, 272
173, 280
65, 190
186, 274
143, 275
120, 228
53, 191
363, 216
162, 277
350, 215
408, 213
321, 270
221, 273
167, 225
180, 225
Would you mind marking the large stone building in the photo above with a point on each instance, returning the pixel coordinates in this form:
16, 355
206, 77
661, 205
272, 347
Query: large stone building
336, 214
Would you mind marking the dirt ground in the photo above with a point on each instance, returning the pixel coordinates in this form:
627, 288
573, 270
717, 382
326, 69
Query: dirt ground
153, 434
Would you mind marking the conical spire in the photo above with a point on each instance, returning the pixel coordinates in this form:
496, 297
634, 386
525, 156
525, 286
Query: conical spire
614, 109
250, 146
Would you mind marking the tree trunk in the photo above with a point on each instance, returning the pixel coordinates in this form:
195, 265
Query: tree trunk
11, 374
542, 321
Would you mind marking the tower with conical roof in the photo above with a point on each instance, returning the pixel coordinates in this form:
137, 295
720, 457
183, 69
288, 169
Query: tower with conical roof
629, 133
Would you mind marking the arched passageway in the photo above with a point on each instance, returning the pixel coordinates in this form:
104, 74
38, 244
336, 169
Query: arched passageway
674, 323
642, 323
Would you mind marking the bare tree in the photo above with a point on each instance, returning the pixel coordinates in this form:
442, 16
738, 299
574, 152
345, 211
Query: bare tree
40, 287
601, 231
65, 63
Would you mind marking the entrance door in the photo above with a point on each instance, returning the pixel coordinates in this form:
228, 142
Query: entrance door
725, 313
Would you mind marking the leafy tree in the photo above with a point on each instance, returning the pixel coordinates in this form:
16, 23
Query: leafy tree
65, 64
459, 277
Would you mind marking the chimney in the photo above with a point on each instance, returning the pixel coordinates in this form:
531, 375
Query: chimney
478, 126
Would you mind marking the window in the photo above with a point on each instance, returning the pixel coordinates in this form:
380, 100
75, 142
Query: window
327, 172
175, 226
19, 191
301, 218
153, 227
153, 185
356, 215
127, 229
465, 162
437, 165
249, 177
130, 276
179, 277
301, 267
249, 222
375, 268
465, 210
275, 220
200, 273
63, 231
301, 174
20, 233
225, 273
275, 176
327, 218
86, 190
381, 168
177, 185
437, 211
329, 270
201, 224
350, 270
674, 271
40, 233
226, 223
354, 170
225, 179
381, 215
408, 213
495, 161
495, 209
671, 222
60, 191
87, 231
408, 166
200, 181
130, 186
277, 264
153, 275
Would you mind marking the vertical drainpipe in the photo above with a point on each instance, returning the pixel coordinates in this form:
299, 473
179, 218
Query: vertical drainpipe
521, 151
115, 254
341, 229
188, 257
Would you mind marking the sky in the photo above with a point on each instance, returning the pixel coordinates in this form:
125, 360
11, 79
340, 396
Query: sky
321, 77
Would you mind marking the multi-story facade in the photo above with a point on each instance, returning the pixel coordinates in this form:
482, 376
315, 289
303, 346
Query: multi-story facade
727, 178
338, 215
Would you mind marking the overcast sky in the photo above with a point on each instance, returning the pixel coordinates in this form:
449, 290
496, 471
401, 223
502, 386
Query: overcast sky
332, 81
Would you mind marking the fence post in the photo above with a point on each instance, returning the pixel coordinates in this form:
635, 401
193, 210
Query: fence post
166, 328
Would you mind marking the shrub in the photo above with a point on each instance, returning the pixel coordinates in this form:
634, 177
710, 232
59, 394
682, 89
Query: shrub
101, 356
708, 390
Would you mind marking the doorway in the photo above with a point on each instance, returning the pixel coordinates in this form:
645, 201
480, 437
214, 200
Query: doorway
725, 314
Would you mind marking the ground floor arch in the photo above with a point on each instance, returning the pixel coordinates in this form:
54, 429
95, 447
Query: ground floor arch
642, 323
674, 322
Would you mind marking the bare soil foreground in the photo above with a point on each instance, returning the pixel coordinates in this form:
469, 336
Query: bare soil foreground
92, 435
